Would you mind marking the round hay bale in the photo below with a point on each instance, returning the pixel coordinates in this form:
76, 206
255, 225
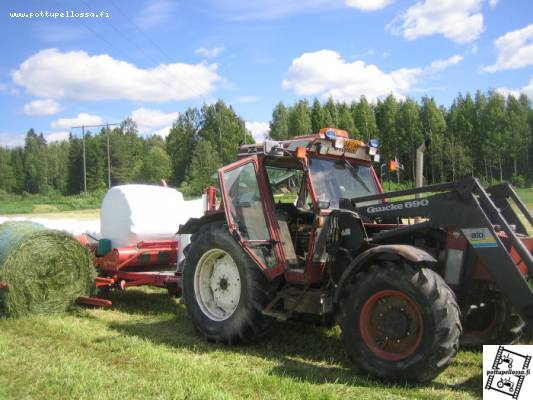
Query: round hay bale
46, 270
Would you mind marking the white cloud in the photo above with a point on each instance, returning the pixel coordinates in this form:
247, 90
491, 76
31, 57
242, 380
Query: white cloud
493, 3
57, 136
79, 120
153, 121
209, 53
326, 73
457, 20
247, 99
155, 13
42, 107
259, 130
369, 5
11, 139
515, 50
163, 132
527, 90
440, 65
77, 75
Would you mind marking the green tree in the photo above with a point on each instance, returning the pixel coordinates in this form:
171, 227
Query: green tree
346, 121
17, 165
332, 114
409, 128
386, 115
155, 166
7, 177
434, 127
496, 123
279, 125
224, 130
204, 163
517, 117
95, 163
300, 119
75, 166
180, 143
365, 119
35, 162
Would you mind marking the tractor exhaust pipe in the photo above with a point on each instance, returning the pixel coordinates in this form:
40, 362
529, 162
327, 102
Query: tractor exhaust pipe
419, 174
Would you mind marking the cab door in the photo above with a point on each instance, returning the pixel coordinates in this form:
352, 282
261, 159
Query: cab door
249, 213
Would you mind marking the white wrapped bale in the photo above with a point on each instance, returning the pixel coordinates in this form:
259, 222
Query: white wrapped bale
133, 213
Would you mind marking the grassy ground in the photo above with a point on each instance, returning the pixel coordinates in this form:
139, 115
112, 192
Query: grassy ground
146, 348
27, 204
88, 214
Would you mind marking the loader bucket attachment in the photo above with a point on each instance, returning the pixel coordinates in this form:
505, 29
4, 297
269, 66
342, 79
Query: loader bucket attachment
484, 217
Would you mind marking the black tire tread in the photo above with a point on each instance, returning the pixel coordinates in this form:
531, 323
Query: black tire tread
443, 346
250, 325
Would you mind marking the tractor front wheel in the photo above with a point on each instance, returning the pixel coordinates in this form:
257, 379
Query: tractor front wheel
224, 291
400, 322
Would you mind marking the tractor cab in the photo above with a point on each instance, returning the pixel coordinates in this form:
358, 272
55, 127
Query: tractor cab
278, 197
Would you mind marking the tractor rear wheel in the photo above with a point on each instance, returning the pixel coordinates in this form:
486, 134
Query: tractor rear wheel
492, 322
224, 291
400, 322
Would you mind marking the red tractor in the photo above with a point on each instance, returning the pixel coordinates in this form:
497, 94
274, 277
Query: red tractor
305, 230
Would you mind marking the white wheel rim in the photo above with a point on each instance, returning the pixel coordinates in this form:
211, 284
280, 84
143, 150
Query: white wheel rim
217, 285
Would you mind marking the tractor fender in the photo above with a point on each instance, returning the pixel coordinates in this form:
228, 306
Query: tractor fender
193, 225
383, 252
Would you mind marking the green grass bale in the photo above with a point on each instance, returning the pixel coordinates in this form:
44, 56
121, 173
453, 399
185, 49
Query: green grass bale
46, 270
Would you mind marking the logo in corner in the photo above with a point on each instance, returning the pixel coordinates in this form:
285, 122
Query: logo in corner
506, 371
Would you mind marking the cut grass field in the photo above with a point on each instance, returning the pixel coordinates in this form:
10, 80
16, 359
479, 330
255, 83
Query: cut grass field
146, 348
34, 203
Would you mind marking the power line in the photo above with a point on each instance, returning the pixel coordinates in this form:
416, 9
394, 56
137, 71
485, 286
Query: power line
164, 53
107, 125
101, 37
123, 35
184, 82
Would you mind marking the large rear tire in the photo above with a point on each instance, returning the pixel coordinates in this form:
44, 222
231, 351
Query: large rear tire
223, 289
400, 322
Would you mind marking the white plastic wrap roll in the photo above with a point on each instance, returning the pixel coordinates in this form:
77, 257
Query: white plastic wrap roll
132, 213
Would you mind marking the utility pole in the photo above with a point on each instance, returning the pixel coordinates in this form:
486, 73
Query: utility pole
84, 157
84, 160
108, 160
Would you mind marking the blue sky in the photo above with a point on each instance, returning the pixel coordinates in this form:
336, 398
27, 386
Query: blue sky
153, 59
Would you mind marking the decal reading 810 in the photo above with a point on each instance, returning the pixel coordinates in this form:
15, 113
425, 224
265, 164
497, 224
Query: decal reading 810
480, 237
398, 206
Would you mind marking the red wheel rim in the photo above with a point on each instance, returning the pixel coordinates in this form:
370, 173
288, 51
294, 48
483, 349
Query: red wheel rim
391, 325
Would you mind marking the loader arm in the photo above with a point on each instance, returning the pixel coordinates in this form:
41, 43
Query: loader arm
465, 207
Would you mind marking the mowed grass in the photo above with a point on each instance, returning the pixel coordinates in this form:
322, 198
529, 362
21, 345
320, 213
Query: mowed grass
35, 203
144, 347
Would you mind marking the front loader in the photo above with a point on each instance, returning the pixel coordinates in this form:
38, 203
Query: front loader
482, 244
305, 231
